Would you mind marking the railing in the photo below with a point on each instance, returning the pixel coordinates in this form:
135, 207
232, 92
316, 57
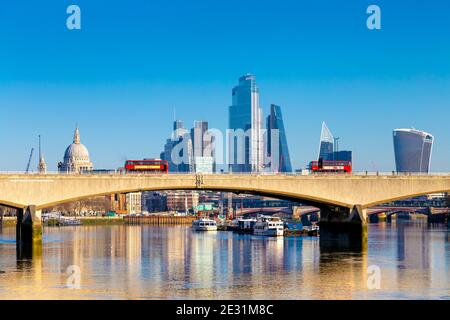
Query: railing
400, 174
358, 173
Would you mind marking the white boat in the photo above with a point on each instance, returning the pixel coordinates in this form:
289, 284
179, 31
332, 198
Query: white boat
269, 226
72, 222
204, 225
50, 215
68, 221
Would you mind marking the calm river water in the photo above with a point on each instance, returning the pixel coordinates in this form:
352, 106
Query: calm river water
144, 262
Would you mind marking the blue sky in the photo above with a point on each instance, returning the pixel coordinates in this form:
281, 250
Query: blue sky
121, 76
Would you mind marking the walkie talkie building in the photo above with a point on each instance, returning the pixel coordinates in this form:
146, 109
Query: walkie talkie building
412, 150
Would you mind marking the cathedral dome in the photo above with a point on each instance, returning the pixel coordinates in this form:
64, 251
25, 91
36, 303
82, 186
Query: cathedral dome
76, 152
76, 157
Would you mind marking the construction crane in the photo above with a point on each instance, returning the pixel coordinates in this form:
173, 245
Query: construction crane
29, 161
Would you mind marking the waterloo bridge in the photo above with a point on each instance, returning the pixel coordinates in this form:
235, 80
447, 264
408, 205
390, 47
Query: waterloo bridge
343, 200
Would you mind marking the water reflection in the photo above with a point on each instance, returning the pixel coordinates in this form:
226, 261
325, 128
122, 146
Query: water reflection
175, 262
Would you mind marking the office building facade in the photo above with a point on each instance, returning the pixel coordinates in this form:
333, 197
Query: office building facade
134, 202
202, 148
181, 201
326, 147
329, 147
275, 122
178, 161
245, 114
154, 201
412, 150
344, 155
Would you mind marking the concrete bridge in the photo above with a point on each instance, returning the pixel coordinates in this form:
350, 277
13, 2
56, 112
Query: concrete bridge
378, 210
433, 214
342, 199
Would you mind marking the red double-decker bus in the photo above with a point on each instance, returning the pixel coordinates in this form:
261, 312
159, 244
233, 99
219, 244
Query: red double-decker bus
147, 166
328, 166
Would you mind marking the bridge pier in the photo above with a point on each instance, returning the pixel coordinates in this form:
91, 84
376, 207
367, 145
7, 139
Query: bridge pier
374, 218
389, 218
343, 228
29, 226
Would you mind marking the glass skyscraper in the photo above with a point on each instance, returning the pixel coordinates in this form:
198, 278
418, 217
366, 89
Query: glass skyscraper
329, 147
177, 137
202, 144
275, 122
326, 148
244, 114
412, 150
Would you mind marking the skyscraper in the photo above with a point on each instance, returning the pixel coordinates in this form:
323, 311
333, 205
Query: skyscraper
182, 163
275, 122
244, 114
177, 124
412, 150
199, 144
167, 155
329, 147
202, 148
326, 148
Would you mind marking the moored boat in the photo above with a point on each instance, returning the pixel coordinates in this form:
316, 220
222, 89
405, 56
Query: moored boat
269, 226
66, 221
204, 225
312, 231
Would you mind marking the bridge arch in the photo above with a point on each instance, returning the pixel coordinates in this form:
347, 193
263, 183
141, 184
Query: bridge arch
304, 199
403, 197
11, 205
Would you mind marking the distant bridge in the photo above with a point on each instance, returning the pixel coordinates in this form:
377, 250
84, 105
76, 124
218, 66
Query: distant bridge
342, 199
393, 210
433, 214
262, 210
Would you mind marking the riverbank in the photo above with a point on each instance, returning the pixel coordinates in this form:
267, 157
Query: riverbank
159, 220
101, 220
150, 220
11, 221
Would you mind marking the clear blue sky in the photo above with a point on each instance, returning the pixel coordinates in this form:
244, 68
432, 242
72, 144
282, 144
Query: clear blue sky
121, 76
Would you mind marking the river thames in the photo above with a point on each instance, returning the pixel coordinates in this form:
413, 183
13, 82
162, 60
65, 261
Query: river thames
145, 262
